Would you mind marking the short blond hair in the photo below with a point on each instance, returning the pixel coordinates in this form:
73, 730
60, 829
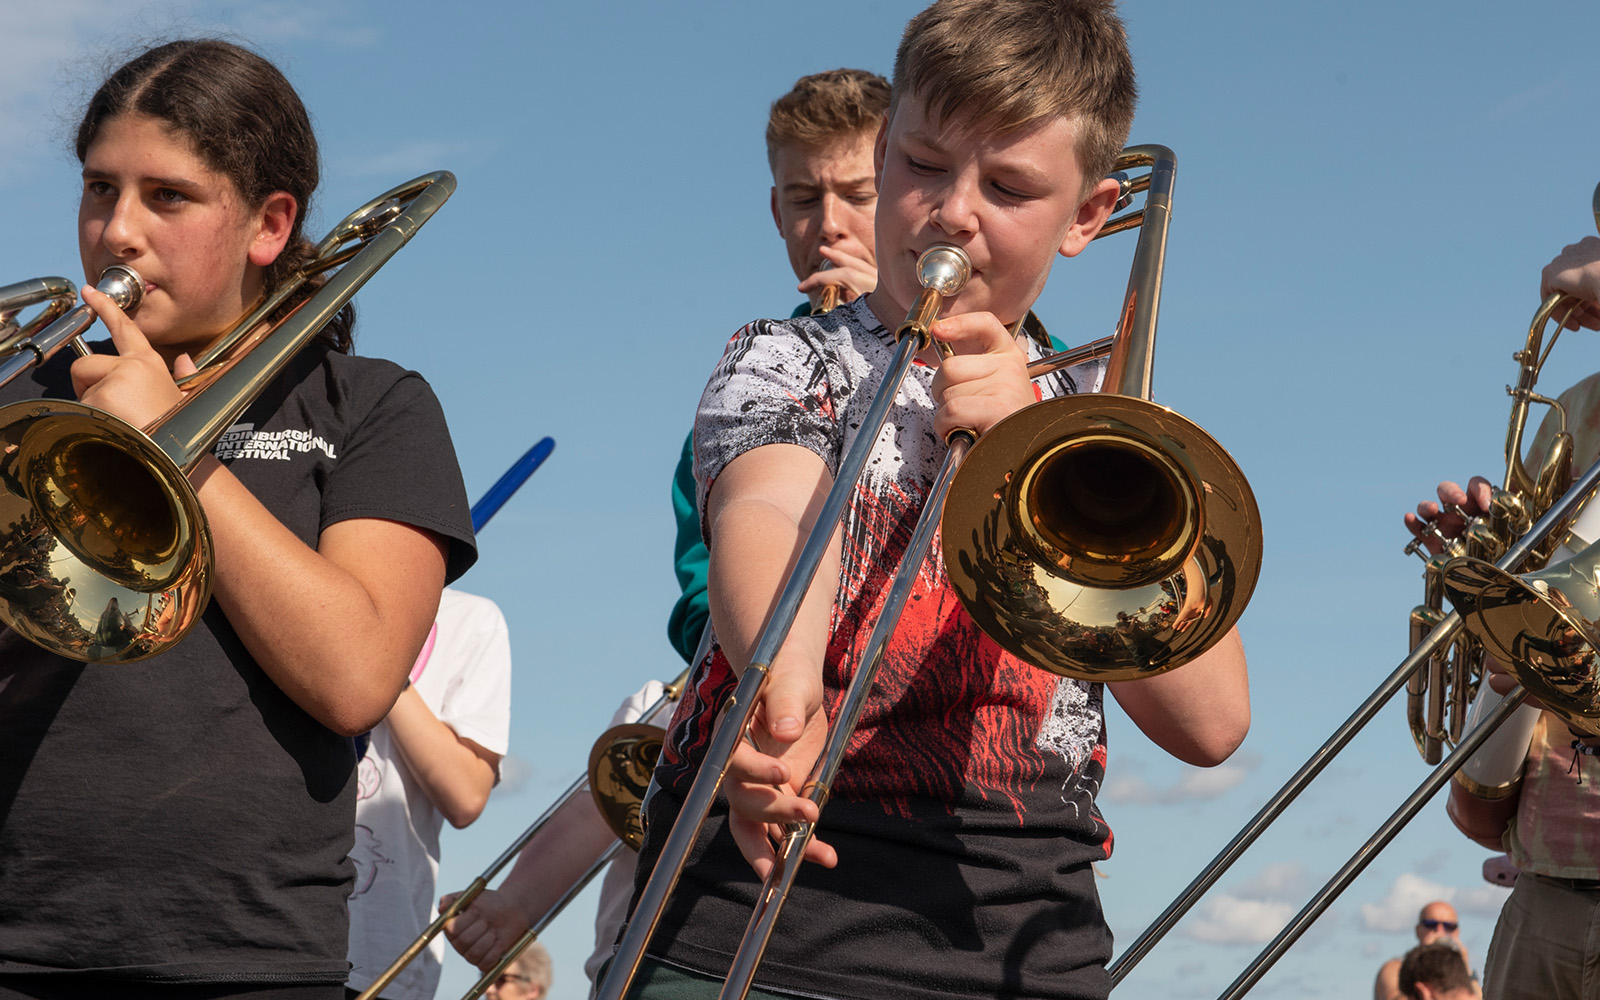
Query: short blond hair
534, 962
824, 107
1012, 64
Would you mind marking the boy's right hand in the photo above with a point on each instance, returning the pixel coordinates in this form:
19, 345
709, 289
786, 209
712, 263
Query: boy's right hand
486, 929
769, 768
1473, 501
1576, 271
985, 381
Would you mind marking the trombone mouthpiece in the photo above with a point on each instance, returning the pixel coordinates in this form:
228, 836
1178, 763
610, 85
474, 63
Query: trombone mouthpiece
124, 285
944, 268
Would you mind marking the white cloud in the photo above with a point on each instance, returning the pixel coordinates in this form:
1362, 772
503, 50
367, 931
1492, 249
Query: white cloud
1254, 911
1195, 784
1482, 900
1398, 909
1282, 882
1228, 919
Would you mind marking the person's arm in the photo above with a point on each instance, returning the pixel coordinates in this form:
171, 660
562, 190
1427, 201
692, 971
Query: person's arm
1199, 712
550, 864
336, 627
760, 511
454, 772
1387, 986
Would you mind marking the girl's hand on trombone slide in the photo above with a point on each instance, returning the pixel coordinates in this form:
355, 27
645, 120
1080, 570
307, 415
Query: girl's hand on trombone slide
768, 771
1433, 520
987, 378
134, 383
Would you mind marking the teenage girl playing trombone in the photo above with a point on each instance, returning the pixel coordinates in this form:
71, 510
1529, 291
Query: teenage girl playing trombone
179, 826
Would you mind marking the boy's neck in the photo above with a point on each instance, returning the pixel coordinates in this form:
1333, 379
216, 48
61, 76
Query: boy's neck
891, 314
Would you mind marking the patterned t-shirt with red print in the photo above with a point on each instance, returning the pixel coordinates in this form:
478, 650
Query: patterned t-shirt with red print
964, 811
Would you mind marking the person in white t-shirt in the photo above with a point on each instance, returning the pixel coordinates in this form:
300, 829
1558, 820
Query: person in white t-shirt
434, 758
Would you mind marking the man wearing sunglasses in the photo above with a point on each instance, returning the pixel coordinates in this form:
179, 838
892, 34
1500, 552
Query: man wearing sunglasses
1436, 924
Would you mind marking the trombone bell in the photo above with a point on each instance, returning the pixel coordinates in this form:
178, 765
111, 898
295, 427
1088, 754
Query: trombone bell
109, 538
1542, 626
620, 766
1104, 538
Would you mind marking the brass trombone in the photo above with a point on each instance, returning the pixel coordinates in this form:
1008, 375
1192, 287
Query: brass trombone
54, 295
111, 529
1196, 596
31, 344
619, 769
828, 299
1434, 634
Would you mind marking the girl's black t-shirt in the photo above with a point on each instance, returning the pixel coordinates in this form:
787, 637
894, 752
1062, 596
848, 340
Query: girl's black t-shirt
179, 818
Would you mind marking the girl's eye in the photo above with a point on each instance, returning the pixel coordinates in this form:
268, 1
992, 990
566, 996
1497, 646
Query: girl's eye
168, 195
919, 166
98, 189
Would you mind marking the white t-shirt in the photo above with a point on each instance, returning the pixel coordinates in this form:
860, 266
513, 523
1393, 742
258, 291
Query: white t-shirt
467, 684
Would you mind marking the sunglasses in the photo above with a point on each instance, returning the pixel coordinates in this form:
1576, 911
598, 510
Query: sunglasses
1448, 926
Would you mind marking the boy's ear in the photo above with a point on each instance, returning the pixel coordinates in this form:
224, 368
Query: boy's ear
777, 220
1092, 214
274, 223
880, 148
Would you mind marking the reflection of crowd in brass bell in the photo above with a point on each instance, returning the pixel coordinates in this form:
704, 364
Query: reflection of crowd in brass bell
920, 542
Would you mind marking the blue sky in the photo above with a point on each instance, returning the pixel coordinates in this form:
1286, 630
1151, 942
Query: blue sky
1366, 192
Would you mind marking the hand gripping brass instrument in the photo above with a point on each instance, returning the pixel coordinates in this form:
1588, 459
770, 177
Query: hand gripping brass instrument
105, 552
1124, 435
24, 346
828, 298
1429, 644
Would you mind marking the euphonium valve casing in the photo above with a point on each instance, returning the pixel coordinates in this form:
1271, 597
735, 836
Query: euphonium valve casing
1542, 626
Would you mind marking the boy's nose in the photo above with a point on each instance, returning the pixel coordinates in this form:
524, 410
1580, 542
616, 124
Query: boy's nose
832, 217
953, 213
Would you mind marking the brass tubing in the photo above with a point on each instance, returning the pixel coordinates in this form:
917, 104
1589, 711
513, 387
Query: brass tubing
533, 932
1442, 633
55, 295
579, 787
472, 891
35, 346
